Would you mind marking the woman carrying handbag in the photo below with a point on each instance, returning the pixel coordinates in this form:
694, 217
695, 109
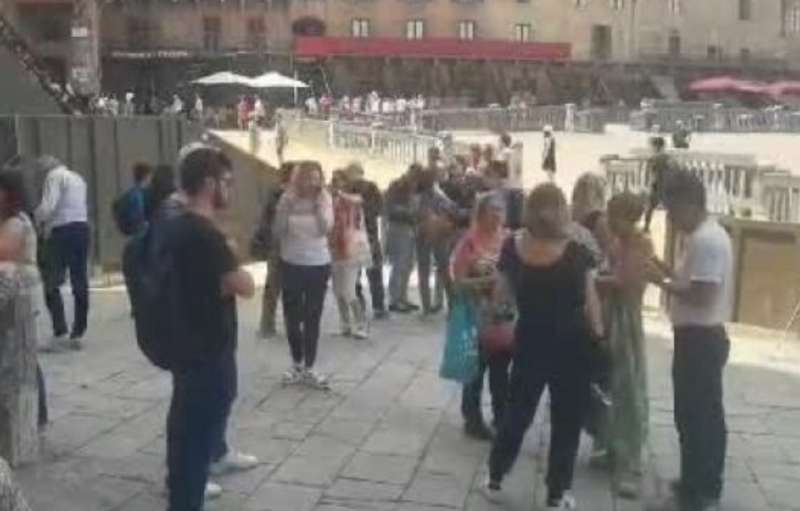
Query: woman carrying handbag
473, 269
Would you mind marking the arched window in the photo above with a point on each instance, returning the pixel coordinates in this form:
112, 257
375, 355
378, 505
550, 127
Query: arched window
308, 26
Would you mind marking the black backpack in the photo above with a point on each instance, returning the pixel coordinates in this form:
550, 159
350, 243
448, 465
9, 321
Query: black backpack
148, 266
124, 211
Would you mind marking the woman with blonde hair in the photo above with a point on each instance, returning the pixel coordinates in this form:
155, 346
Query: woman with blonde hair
550, 279
473, 270
303, 221
624, 288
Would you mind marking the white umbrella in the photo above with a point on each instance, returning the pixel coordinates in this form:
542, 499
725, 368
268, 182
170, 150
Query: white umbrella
274, 80
223, 78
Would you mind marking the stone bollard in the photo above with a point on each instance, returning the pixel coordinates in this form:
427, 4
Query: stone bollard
19, 438
11, 498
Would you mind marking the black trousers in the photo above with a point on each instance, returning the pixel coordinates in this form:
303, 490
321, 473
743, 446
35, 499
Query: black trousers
42, 416
565, 375
304, 289
497, 366
377, 290
68, 250
699, 359
653, 203
197, 421
515, 205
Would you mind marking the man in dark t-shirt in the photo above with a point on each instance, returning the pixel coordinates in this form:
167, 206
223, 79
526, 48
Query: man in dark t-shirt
208, 279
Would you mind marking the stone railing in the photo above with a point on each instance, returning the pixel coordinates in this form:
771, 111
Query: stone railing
736, 184
716, 118
400, 145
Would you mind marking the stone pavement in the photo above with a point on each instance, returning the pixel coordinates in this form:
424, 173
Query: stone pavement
387, 437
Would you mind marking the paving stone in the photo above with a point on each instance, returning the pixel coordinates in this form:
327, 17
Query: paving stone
439, 490
780, 493
283, 497
349, 490
309, 471
352, 432
381, 468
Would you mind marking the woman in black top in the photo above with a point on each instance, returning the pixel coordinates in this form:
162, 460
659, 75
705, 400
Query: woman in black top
549, 278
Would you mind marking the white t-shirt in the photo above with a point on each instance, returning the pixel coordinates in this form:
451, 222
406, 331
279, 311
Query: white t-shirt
512, 158
708, 258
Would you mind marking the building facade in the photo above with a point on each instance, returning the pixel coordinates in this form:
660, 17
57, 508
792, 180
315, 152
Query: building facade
483, 48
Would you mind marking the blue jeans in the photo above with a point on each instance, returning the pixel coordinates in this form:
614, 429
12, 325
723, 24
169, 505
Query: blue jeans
67, 249
202, 397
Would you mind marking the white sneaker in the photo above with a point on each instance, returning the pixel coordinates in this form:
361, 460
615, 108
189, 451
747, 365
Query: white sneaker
58, 344
234, 461
315, 380
566, 502
293, 375
213, 491
492, 491
361, 334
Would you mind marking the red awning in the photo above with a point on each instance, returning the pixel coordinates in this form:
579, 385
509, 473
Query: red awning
786, 88
318, 47
728, 84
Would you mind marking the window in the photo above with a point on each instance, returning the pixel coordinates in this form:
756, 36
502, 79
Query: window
466, 30
212, 33
713, 52
360, 27
523, 32
674, 44
744, 54
675, 7
580, 4
256, 33
745, 10
793, 18
617, 5
415, 29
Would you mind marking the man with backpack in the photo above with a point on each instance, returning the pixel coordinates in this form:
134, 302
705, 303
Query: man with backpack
184, 277
129, 208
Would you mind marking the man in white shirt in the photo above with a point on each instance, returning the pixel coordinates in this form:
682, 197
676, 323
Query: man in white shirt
701, 292
63, 217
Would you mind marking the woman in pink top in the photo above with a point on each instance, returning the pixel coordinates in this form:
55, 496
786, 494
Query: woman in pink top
473, 268
351, 253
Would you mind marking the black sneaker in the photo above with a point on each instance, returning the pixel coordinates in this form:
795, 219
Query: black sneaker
478, 430
413, 307
399, 308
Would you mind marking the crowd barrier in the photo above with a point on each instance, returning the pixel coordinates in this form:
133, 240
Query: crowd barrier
495, 119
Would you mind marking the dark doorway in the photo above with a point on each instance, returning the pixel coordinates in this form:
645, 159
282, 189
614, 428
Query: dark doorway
601, 42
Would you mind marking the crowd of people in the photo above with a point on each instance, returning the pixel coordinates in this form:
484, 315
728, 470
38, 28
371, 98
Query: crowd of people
553, 292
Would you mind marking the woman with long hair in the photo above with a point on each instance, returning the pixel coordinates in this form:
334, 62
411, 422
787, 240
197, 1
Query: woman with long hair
624, 289
18, 245
473, 269
550, 279
303, 221
351, 252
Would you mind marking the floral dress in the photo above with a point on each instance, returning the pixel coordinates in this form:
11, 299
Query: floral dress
630, 410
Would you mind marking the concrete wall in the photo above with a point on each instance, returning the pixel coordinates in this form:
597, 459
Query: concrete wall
103, 150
